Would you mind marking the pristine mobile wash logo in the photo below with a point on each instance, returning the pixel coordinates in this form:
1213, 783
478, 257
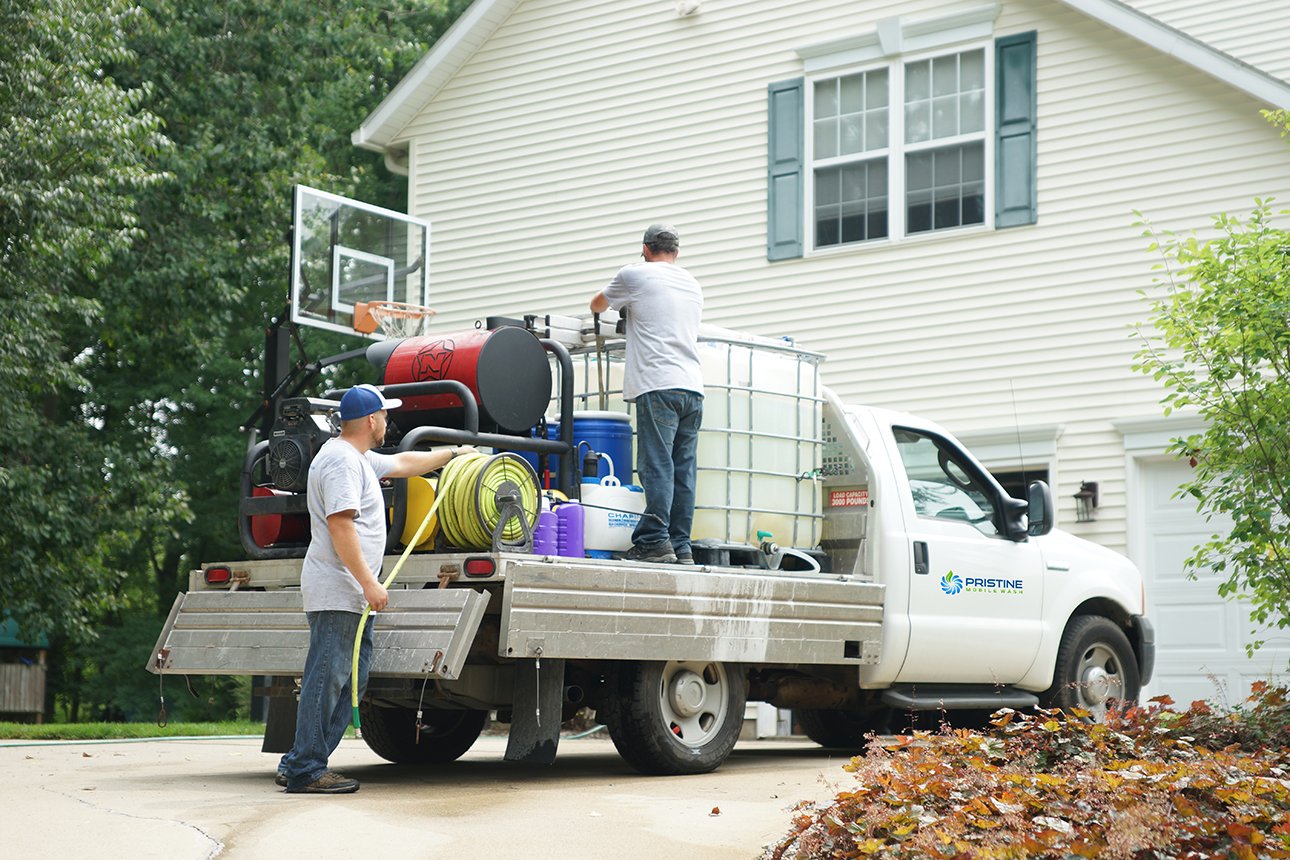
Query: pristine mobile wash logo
952, 583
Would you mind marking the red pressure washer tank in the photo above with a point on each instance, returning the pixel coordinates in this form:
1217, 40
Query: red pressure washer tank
506, 369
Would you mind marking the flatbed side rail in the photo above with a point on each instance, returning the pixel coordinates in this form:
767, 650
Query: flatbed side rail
423, 632
630, 611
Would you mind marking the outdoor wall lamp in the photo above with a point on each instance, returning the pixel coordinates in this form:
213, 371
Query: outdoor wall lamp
1086, 501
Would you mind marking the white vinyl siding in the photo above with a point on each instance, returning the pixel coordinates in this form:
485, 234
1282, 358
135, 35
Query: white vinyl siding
1256, 32
578, 123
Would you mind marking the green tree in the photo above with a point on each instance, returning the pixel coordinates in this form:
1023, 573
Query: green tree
1221, 347
255, 97
76, 149
138, 273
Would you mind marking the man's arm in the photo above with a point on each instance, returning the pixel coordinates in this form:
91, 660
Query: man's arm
407, 464
344, 537
599, 304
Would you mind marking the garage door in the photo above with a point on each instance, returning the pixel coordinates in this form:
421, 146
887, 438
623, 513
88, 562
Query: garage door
1200, 637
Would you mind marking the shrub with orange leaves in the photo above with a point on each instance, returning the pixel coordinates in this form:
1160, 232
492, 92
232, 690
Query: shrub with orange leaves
1149, 782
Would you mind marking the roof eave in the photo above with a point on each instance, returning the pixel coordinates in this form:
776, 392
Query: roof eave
383, 125
1246, 78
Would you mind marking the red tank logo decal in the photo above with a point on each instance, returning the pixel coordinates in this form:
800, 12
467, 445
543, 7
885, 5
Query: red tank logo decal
432, 361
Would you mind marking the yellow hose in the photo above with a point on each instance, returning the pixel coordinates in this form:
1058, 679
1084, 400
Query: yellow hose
472, 482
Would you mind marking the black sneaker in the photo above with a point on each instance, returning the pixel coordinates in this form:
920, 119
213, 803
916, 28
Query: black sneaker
660, 554
685, 558
329, 783
280, 779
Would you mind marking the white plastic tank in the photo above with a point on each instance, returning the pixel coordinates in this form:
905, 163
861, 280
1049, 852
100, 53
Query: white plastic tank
760, 443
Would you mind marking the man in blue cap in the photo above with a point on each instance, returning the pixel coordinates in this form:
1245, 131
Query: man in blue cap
664, 380
339, 578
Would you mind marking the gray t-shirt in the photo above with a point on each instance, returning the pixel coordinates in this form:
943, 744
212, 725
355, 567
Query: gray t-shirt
342, 479
664, 305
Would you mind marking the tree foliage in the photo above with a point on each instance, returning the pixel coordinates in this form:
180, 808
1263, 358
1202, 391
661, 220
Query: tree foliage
76, 149
145, 207
1147, 783
1221, 347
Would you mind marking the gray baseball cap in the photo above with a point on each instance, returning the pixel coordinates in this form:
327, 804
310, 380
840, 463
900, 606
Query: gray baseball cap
662, 234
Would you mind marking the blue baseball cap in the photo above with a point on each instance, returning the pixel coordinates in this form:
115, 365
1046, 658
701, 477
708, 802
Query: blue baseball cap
363, 400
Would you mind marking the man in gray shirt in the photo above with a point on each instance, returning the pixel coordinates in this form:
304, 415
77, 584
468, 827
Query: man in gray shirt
339, 579
663, 379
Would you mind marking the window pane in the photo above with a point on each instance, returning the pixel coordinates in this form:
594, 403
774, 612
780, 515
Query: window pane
853, 223
918, 216
918, 122
876, 223
875, 130
972, 71
974, 203
853, 182
826, 138
876, 90
945, 75
918, 171
852, 127
918, 84
852, 94
826, 98
827, 227
826, 187
945, 116
972, 112
851, 203
956, 195
946, 168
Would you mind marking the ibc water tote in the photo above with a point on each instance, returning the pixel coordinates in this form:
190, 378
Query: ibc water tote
506, 369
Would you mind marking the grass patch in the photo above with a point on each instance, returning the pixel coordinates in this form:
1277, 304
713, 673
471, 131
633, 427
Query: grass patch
113, 731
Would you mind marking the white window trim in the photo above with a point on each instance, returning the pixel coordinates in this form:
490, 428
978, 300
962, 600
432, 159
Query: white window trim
895, 155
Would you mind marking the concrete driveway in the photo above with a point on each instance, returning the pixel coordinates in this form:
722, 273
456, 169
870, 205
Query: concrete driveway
181, 799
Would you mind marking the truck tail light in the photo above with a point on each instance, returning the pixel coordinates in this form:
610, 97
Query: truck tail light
218, 575
480, 567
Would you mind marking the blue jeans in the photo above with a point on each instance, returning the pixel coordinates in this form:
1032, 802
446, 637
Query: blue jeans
667, 443
325, 708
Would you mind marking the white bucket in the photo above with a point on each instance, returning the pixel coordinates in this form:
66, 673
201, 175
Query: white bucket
610, 514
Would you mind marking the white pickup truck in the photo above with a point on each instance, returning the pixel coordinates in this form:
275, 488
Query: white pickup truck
937, 591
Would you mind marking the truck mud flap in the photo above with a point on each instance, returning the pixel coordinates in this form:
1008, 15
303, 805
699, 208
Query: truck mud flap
579, 611
422, 632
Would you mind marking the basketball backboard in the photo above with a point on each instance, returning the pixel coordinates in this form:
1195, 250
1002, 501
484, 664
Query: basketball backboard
344, 252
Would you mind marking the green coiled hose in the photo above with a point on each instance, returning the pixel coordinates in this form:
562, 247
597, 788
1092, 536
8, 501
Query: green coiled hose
476, 491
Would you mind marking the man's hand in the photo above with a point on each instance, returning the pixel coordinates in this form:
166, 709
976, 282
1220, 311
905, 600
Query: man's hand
377, 596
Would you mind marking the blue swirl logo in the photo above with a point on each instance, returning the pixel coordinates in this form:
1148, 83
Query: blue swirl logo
951, 583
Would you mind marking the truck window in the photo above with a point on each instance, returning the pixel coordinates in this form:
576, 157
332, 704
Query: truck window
944, 487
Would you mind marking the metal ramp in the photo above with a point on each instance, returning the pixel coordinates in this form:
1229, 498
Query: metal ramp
422, 632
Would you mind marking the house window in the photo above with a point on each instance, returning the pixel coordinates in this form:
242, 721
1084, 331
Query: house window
878, 171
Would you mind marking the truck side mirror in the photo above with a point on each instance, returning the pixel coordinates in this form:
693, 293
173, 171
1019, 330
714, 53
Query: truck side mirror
1040, 513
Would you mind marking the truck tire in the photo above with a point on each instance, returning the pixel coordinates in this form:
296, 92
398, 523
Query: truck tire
679, 717
445, 736
837, 729
1095, 663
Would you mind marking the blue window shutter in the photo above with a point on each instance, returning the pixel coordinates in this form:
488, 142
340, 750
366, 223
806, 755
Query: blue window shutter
1015, 195
786, 113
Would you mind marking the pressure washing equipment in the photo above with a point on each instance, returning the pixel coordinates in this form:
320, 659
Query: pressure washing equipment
487, 501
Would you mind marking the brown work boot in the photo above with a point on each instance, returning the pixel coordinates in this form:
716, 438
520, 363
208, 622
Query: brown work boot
329, 783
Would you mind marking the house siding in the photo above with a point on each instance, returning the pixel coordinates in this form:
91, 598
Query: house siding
577, 123
1255, 32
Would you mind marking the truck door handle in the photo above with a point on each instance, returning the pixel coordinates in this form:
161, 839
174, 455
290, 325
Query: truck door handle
921, 566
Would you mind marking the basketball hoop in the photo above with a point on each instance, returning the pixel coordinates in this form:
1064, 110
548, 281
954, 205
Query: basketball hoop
394, 319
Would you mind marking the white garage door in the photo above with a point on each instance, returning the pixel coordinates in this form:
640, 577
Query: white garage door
1200, 637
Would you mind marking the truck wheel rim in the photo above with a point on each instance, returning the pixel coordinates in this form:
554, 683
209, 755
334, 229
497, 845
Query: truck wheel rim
695, 699
1101, 677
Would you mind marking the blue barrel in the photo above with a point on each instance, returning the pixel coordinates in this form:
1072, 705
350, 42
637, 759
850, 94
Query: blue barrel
603, 432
